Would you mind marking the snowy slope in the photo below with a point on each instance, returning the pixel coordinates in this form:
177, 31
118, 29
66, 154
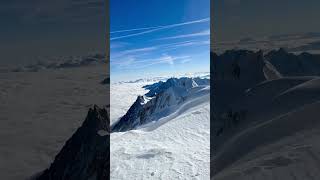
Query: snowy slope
178, 149
176, 146
163, 99
266, 128
124, 93
270, 72
276, 110
277, 153
236, 72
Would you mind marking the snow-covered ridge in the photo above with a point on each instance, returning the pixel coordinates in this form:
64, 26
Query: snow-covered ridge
178, 149
257, 66
155, 79
260, 98
290, 64
235, 72
163, 99
295, 43
174, 142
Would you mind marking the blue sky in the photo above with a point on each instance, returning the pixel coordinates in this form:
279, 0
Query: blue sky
154, 38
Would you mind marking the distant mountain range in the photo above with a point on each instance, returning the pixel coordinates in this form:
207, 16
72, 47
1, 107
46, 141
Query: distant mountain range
164, 78
298, 42
253, 63
236, 71
256, 97
162, 99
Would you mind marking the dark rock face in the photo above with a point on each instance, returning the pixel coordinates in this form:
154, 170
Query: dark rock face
238, 65
232, 73
157, 102
128, 121
106, 81
236, 74
184, 82
290, 64
86, 154
153, 88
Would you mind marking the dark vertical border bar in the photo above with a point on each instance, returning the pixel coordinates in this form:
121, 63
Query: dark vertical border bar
211, 91
108, 74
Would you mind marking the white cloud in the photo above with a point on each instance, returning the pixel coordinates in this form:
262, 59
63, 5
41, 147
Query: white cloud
201, 33
188, 43
139, 50
185, 60
156, 28
132, 52
116, 45
167, 59
135, 56
134, 63
136, 29
129, 60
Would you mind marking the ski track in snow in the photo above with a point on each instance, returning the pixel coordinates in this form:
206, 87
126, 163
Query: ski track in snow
175, 147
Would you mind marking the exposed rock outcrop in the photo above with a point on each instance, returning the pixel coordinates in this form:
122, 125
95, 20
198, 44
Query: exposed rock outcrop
158, 102
86, 154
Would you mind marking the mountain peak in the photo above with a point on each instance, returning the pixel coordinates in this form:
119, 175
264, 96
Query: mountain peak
184, 83
86, 154
158, 102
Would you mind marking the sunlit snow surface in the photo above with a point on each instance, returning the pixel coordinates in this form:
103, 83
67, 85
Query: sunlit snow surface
174, 147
